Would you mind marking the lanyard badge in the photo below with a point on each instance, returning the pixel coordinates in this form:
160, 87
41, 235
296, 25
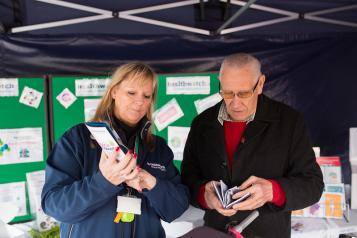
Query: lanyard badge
128, 205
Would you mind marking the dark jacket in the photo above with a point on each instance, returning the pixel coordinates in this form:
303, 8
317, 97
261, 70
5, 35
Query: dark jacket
78, 195
276, 146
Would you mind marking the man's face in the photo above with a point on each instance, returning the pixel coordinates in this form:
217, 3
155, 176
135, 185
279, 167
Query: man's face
241, 82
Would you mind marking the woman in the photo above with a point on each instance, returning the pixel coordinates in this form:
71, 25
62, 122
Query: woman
82, 183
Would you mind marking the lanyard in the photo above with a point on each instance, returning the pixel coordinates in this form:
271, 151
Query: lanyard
125, 216
136, 145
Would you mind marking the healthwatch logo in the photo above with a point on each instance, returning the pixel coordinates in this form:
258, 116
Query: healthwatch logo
3, 148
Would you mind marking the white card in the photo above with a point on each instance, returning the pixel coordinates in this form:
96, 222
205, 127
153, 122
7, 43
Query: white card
224, 188
188, 85
31, 97
167, 114
207, 102
225, 195
90, 107
176, 138
354, 186
9, 87
353, 145
66, 98
316, 151
91, 86
129, 205
217, 188
14, 193
242, 198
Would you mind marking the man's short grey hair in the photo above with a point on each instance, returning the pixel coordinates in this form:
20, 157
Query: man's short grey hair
241, 60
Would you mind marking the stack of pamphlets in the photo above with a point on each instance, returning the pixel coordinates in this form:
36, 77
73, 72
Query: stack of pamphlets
225, 195
107, 138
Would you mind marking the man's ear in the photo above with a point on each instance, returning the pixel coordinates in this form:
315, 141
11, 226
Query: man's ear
261, 84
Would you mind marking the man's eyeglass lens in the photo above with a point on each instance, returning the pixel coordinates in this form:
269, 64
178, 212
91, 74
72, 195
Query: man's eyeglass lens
227, 94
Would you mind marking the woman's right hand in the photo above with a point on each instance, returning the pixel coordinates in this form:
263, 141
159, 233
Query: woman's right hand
117, 172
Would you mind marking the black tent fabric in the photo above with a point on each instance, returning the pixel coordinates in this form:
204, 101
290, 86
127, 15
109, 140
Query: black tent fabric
315, 74
162, 17
308, 49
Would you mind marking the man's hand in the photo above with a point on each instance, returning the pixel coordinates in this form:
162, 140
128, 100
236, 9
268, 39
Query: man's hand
213, 202
261, 192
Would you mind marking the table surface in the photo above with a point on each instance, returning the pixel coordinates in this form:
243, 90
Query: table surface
302, 227
321, 227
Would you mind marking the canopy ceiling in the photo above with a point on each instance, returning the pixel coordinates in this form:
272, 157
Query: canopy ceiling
137, 17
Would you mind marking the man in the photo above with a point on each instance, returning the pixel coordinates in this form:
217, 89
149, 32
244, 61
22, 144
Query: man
251, 141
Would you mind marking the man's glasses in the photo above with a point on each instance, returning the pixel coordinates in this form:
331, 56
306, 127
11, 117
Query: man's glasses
228, 94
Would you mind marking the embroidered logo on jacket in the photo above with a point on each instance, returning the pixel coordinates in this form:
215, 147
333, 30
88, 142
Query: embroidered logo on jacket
157, 166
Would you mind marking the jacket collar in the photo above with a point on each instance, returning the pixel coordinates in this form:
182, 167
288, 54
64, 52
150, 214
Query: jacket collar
142, 129
266, 111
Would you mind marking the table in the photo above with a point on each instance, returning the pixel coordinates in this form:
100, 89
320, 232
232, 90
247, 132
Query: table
301, 227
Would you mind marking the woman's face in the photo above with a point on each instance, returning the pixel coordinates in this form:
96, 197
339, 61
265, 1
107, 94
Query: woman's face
133, 100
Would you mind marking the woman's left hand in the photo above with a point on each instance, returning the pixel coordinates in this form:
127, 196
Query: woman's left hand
146, 179
143, 180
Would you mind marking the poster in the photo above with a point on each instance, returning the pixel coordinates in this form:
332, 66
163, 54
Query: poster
21, 145
167, 114
35, 183
9, 87
66, 98
188, 85
90, 106
31, 97
14, 193
176, 140
91, 87
333, 203
203, 104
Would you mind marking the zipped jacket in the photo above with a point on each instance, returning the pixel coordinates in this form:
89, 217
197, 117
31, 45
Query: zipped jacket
78, 195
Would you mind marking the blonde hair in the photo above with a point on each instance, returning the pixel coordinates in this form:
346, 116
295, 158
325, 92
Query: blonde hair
135, 71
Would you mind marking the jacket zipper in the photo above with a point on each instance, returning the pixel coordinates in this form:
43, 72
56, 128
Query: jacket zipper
70, 231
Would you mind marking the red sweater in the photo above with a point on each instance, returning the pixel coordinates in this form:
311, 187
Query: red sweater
233, 132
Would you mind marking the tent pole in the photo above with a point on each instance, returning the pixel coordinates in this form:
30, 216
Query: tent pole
235, 16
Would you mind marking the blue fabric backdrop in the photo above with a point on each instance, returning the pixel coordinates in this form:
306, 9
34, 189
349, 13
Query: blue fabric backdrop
314, 73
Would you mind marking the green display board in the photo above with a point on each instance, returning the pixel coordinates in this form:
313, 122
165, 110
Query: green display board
186, 102
64, 118
16, 115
